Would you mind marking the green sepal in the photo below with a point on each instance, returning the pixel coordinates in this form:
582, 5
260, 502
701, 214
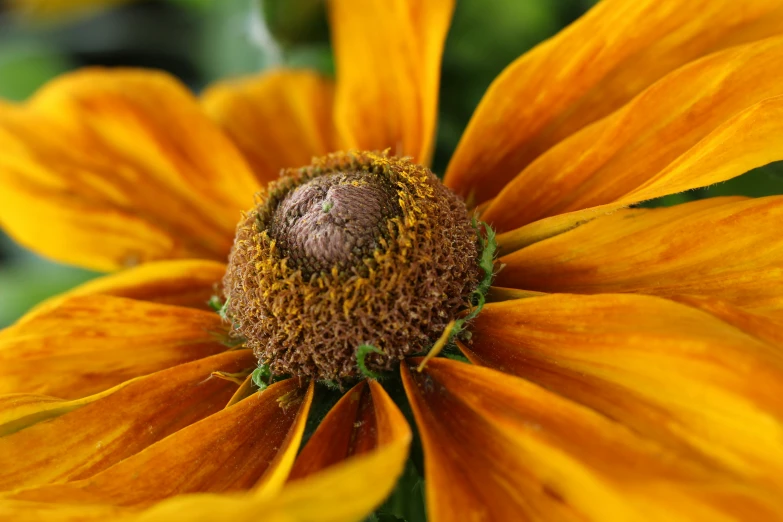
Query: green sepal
489, 248
219, 306
456, 357
215, 303
261, 377
361, 354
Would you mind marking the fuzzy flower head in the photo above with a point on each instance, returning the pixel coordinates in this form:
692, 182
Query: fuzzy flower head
358, 249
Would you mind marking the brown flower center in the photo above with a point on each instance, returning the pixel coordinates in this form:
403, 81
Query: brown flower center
356, 249
333, 220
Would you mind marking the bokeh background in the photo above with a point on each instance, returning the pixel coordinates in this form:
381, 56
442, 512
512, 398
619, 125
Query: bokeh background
200, 41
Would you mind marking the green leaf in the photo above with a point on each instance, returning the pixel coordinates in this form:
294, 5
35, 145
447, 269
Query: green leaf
25, 66
406, 502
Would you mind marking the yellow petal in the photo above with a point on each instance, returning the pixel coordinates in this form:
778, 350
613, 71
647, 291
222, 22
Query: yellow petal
97, 435
187, 283
20, 410
706, 122
25, 511
387, 55
110, 168
90, 343
245, 390
672, 373
587, 71
278, 119
346, 491
280, 467
542, 229
357, 424
498, 293
348, 429
727, 248
765, 325
16, 407
250, 444
500, 448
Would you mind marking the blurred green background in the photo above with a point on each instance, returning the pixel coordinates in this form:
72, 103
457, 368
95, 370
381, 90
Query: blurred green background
204, 40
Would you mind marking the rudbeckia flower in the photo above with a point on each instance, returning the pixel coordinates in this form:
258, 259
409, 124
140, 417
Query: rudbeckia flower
624, 364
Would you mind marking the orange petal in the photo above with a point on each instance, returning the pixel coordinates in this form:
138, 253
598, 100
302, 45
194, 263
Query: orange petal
280, 467
672, 373
39, 512
345, 491
387, 55
90, 343
362, 419
498, 293
235, 449
728, 248
542, 229
278, 119
97, 435
24, 407
707, 122
764, 325
587, 71
499, 448
187, 283
20, 410
245, 390
110, 168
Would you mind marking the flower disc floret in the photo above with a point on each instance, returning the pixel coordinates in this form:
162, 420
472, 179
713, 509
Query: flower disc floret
354, 249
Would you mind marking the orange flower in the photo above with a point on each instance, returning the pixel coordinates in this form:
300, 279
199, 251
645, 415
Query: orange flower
628, 362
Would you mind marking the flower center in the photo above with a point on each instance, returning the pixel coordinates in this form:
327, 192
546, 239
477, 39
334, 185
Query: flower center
356, 249
333, 220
